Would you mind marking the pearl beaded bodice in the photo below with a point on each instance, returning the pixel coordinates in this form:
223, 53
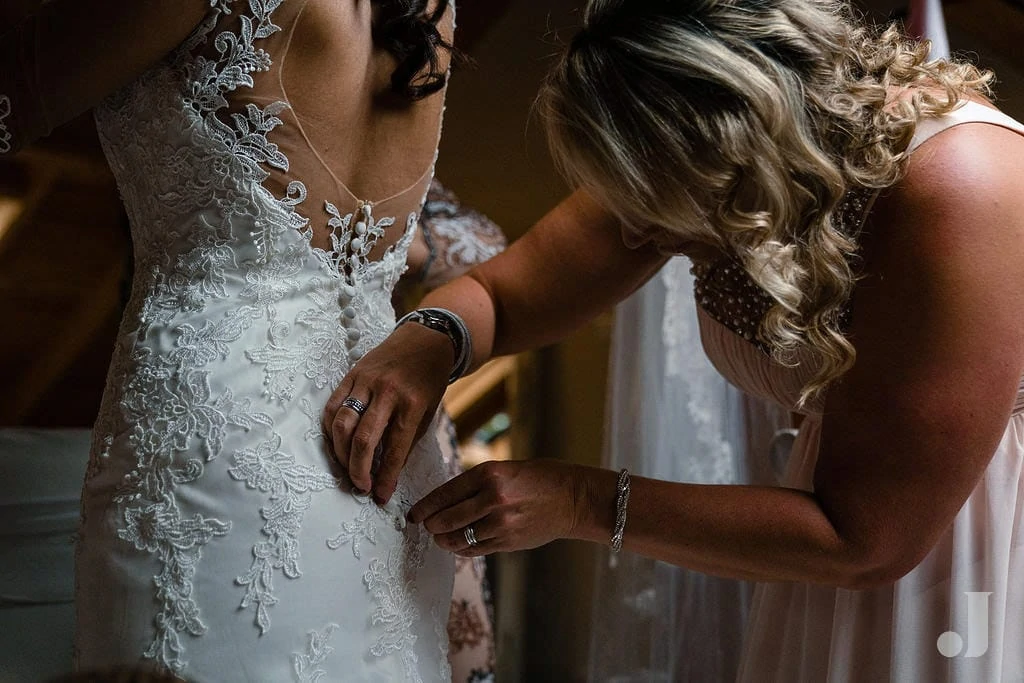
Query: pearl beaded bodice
727, 293
732, 308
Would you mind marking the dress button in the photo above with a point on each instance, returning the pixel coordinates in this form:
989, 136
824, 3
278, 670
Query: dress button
354, 335
349, 312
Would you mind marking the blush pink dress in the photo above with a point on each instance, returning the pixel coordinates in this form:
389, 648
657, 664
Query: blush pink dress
958, 616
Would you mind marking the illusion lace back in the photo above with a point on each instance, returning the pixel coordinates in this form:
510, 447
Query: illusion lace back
802, 633
272, 200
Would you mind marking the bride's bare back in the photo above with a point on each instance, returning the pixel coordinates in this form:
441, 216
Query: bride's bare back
348, 137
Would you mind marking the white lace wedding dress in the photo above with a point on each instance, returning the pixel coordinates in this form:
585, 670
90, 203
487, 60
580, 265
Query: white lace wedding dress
219, 539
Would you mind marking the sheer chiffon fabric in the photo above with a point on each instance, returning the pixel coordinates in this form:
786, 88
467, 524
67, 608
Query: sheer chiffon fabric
672, 416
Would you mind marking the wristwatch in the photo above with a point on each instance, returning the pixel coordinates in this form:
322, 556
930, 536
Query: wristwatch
448, 323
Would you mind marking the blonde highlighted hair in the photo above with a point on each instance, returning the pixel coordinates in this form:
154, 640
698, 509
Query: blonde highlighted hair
743, 125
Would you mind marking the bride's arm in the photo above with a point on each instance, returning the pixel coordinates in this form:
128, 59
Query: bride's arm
66, 55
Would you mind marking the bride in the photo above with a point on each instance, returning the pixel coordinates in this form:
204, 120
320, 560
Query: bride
273, 156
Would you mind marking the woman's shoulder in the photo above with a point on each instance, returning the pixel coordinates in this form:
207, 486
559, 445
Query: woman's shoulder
973, 155
959, 206
975, 111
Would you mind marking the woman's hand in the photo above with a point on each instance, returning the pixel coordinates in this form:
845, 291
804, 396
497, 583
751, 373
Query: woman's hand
400, 383
526, 297
508, 505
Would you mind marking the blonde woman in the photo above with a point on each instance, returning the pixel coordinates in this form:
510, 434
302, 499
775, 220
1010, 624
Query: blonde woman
855, 216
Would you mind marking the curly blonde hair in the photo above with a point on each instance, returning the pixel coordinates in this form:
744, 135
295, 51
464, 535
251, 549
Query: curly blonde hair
743, 125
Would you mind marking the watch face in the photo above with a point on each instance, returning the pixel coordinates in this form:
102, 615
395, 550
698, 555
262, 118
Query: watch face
435, 320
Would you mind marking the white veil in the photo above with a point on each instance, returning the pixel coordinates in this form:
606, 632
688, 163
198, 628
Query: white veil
672, 416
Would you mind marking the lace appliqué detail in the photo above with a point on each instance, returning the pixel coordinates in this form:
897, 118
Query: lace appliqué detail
391, 582
270, 280
316, 432
237, 61
351, 242
244, 135
306, 665
5, 133
364, 526
320, 354
290, 485
169, 401
160, 528
441, 633
458, 238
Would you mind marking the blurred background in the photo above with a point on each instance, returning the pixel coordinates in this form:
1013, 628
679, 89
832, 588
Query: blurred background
65, 259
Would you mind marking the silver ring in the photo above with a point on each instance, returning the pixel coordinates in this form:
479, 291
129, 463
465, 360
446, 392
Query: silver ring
355, 404
470, 536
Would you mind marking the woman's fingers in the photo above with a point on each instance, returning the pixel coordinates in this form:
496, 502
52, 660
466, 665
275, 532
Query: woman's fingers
486, 535
371, 434
458, 516
400, 438
465, 515
333, 412
355, 420
445, 496
409, 422
381, 406
367, 437
508, 505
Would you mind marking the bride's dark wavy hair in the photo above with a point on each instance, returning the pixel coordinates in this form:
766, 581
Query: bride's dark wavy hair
407, 30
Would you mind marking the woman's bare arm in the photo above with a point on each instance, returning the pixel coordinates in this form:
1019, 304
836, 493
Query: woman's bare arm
571, 266
566, 270
67, 55
907, 434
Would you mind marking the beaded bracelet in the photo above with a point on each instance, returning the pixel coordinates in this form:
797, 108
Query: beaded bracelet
621, 501
448, 323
